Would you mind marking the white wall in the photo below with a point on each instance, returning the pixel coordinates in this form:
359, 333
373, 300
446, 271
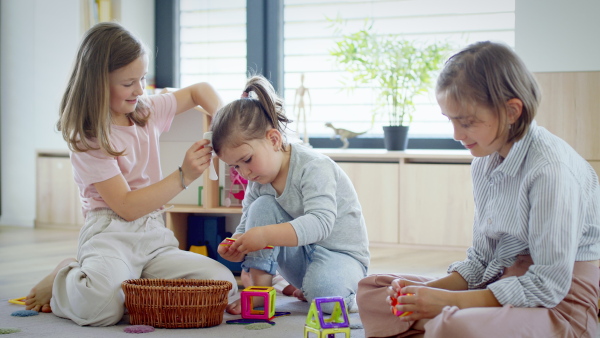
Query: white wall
558, 35
39, 40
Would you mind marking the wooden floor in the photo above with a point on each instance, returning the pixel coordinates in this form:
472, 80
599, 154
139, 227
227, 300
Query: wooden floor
28, 254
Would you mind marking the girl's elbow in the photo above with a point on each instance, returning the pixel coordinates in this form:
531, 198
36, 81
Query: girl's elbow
126, 214
127, 217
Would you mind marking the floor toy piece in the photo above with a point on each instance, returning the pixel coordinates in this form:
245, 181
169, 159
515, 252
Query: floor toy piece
9, 330
139, 329
24, 313
228, 241
246, 321
326, 327
18, 301
258, 326
267, 293
395, 302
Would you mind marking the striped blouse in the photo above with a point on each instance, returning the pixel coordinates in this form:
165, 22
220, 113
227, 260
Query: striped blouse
542, 200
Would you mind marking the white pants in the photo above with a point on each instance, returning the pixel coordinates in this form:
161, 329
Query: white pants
112, 250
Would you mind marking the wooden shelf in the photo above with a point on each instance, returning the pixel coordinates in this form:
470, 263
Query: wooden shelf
406, 156
177, 218
195, 209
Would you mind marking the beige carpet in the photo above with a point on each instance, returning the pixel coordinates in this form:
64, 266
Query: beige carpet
48, 325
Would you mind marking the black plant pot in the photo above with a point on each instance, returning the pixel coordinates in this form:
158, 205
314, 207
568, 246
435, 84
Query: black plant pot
395, 137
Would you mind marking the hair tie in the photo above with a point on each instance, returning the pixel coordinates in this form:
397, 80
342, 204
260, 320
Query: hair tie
244, 94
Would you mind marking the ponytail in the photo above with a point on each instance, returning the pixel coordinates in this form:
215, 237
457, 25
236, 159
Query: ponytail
249, 117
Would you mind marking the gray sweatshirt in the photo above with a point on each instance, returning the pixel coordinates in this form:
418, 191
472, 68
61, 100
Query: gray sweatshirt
321, 199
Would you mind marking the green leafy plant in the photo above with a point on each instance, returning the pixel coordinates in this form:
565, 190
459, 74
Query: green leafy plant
398, 68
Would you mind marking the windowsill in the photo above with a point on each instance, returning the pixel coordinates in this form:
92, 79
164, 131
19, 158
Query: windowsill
413, 156
377, 143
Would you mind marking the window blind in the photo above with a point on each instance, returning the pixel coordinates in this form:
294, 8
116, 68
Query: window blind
213, 45
308, 38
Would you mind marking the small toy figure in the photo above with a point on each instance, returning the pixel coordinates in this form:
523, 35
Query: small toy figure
300, 92
344, 134
235, 179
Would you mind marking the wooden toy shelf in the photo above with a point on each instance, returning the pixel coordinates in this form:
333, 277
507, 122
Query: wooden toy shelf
177, 218
177, 214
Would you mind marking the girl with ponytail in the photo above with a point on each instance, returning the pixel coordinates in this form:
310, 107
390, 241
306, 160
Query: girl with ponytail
298, 201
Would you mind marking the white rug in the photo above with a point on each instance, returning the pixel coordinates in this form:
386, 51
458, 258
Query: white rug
48, 325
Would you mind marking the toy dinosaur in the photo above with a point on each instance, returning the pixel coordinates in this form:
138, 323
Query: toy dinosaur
344, 134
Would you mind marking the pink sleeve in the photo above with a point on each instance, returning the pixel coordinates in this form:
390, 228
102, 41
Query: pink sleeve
94, 166
164, 108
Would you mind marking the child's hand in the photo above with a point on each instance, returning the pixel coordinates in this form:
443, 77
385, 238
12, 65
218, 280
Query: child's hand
395, 292
196, 160
398, 284
228, 253
251, 240
422, 302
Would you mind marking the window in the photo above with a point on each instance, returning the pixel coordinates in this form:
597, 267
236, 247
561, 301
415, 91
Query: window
308, 37
213, 45
213, 48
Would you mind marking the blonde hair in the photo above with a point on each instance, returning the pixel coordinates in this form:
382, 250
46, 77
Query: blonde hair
489, 74
249, 118
85, 107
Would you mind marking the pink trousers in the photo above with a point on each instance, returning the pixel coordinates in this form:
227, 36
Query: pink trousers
575, 316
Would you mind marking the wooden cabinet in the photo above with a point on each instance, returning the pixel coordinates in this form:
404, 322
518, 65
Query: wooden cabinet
436, 204
57, 196
377, 187
569, 109
414, 197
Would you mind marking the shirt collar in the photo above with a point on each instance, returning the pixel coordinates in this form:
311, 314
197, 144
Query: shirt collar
511, 164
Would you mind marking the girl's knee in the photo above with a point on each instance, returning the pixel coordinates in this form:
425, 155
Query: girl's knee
450, 323
107, 315
262, 203
318, 291
265, 210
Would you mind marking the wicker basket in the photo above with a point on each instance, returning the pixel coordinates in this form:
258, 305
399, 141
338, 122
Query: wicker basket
176, 303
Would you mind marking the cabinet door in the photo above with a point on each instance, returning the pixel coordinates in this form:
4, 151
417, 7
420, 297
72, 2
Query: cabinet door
569, 109
436, 204
377, 187
57, 196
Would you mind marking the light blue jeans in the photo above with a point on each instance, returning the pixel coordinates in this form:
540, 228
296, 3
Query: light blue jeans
317, 271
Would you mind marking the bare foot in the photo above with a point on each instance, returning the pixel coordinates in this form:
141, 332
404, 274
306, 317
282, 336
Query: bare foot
299, 294
39, 297
234, 308
246, 279
289, 290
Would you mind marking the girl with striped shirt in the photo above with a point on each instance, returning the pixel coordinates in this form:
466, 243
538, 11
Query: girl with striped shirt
532, 270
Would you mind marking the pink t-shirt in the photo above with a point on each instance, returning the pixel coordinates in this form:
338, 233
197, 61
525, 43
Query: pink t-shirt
140, 165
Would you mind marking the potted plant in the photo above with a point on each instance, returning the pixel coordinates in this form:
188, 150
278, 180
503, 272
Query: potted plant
399, 69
